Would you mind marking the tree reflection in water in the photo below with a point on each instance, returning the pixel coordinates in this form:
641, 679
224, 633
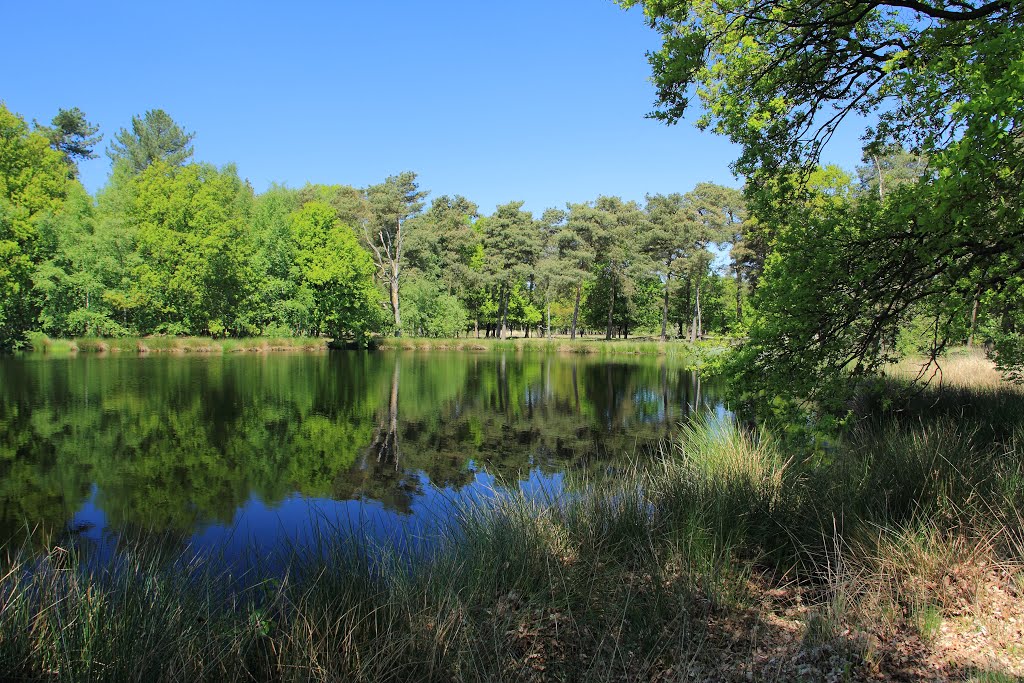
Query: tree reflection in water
189, 445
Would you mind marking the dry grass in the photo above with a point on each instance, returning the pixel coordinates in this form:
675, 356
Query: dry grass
962, 367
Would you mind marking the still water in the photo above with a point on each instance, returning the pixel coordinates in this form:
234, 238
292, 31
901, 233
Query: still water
247, 453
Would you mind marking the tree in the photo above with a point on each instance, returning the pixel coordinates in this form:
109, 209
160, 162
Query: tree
668, 234
441, 242
613, 227
887, 169
716, 212
330, 261
576, 254
943, 80
33, 185
512, 243
153, 137
73, 136
70, 284
390, 205
195, 254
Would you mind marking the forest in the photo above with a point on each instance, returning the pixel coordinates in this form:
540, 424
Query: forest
175, 247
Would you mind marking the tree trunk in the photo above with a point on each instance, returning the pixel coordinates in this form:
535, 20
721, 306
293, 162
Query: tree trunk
689, 289
611, 308
664, 308
695, 322
576, 311
878, 168
548, 332
739, 296
504, 312
974, 317
394, 307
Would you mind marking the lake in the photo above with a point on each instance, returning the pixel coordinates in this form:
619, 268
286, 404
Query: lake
251, 453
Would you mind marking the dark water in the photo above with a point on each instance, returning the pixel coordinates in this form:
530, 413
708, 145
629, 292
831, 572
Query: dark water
251, 452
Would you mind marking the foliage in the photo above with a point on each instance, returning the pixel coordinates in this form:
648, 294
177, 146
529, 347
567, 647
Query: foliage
191, 231
73, 136
430, 312
943, 83
33, 184
153, 137
338, 272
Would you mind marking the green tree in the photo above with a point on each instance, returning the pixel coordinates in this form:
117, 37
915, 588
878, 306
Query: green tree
282, 305
33, 185
73, 136
885, 170
70, 284
667, 237
613, 227
390, 205
153, 137
195, 253
339, 272
512, 244
431, 312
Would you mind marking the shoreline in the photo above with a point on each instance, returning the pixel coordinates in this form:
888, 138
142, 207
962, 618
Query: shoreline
42, 345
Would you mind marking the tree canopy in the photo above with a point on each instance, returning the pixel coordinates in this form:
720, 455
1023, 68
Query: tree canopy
154, 136
845, 272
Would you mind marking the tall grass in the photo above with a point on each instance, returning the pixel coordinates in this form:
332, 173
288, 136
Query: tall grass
656, 569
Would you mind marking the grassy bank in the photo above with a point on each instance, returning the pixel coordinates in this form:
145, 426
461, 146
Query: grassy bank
42, 344
597, 347
897, 555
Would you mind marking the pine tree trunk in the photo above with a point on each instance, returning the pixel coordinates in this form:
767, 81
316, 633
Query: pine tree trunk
504, 312
739, 297
576, 311
695, 322
611, 308
394, 307
974, 317
664, 308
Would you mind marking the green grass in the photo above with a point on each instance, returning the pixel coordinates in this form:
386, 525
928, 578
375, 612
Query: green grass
660, 568
39, 343
695, 354
597, 347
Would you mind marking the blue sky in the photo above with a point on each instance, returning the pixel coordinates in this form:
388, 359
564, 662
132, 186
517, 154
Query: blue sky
535, 100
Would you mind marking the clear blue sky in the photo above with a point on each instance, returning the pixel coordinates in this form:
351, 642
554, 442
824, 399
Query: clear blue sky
538, 100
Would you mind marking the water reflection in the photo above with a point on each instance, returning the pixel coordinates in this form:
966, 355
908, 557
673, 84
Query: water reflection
226, 451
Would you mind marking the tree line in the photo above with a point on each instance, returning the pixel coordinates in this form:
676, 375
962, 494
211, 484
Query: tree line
173, 246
